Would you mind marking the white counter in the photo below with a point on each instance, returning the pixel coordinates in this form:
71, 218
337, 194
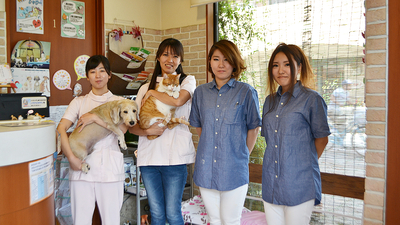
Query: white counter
26, 140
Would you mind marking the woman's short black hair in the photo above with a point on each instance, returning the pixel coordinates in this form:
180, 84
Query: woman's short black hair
95, 60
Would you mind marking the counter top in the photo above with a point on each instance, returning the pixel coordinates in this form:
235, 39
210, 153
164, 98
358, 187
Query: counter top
26, 140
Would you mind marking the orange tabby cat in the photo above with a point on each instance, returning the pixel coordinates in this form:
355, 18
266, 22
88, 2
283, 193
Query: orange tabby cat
154, 110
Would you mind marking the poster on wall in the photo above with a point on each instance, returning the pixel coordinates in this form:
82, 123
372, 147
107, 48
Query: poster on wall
31, 54
31, 80
30, 62
30, 16
72, 19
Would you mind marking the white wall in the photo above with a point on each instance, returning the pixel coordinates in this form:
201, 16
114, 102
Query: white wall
155, 14
145, 13
177, 13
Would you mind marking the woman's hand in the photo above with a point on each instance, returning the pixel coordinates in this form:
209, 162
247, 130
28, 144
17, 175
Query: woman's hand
86, 119
148, 94
155, 129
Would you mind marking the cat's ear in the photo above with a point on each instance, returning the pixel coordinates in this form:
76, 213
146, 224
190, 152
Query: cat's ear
179, 75
165, 76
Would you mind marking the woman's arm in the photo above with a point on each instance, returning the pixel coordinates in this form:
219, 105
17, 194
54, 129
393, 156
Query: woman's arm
184, 96
152, 130
198, 129
75, 162
320, 144
251, 138
89, 118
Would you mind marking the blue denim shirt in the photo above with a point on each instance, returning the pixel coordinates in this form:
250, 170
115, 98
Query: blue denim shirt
290, 174
225, 116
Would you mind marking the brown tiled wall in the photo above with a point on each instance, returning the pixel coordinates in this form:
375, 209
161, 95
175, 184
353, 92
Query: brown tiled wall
376, 65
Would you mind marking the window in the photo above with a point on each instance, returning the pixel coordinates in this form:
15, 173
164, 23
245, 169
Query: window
331, 34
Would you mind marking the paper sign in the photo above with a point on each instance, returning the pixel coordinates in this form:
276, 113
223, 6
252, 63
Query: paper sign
62, 80
5, 74
30, 16
41, 179
31, 80
72, 19
79, 66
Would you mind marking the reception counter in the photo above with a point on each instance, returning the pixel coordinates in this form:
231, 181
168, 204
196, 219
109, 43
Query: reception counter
27, 150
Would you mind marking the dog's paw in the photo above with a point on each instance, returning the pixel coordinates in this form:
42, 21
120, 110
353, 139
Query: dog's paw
122, 144
85, 167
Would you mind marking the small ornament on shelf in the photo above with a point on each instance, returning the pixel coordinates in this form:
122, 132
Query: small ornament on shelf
118, 33
136, 32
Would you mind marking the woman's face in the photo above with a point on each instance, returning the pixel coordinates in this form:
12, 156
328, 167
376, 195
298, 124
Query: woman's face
169, 61
281, 71
220, 66
98, 77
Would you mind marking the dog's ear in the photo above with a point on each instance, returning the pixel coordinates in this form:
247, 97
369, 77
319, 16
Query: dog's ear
115, 114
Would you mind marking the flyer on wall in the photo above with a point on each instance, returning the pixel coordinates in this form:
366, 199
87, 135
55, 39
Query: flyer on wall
31, 54
31, 80
72, 19
30, 63
30, 16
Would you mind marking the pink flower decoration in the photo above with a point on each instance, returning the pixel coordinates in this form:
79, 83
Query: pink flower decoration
203, 214
191, 203
136, 31
186, 212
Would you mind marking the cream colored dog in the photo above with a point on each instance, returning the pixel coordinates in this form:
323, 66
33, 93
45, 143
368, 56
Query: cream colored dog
113, 114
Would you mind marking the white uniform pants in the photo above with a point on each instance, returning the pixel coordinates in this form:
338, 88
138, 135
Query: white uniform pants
108, 195
224, 207
289, 215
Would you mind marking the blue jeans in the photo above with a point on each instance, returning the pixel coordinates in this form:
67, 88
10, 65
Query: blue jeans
164, 186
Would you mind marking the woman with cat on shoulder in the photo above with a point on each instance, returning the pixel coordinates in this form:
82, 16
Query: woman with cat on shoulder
163, 160
226, 115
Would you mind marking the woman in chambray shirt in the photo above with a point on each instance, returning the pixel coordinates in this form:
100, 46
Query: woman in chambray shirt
296, 130
226, 115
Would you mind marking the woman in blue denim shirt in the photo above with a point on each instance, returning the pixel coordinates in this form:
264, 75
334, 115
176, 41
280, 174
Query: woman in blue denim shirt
226, 115
296, 131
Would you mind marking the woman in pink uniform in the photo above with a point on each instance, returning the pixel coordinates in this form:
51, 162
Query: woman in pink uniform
104, 182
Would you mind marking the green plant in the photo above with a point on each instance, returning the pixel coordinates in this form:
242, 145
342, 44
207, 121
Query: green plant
257, 154
328, 87
236, 22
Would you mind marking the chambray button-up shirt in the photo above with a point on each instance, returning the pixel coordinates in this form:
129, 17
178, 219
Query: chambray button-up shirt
291, 173
225, 116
